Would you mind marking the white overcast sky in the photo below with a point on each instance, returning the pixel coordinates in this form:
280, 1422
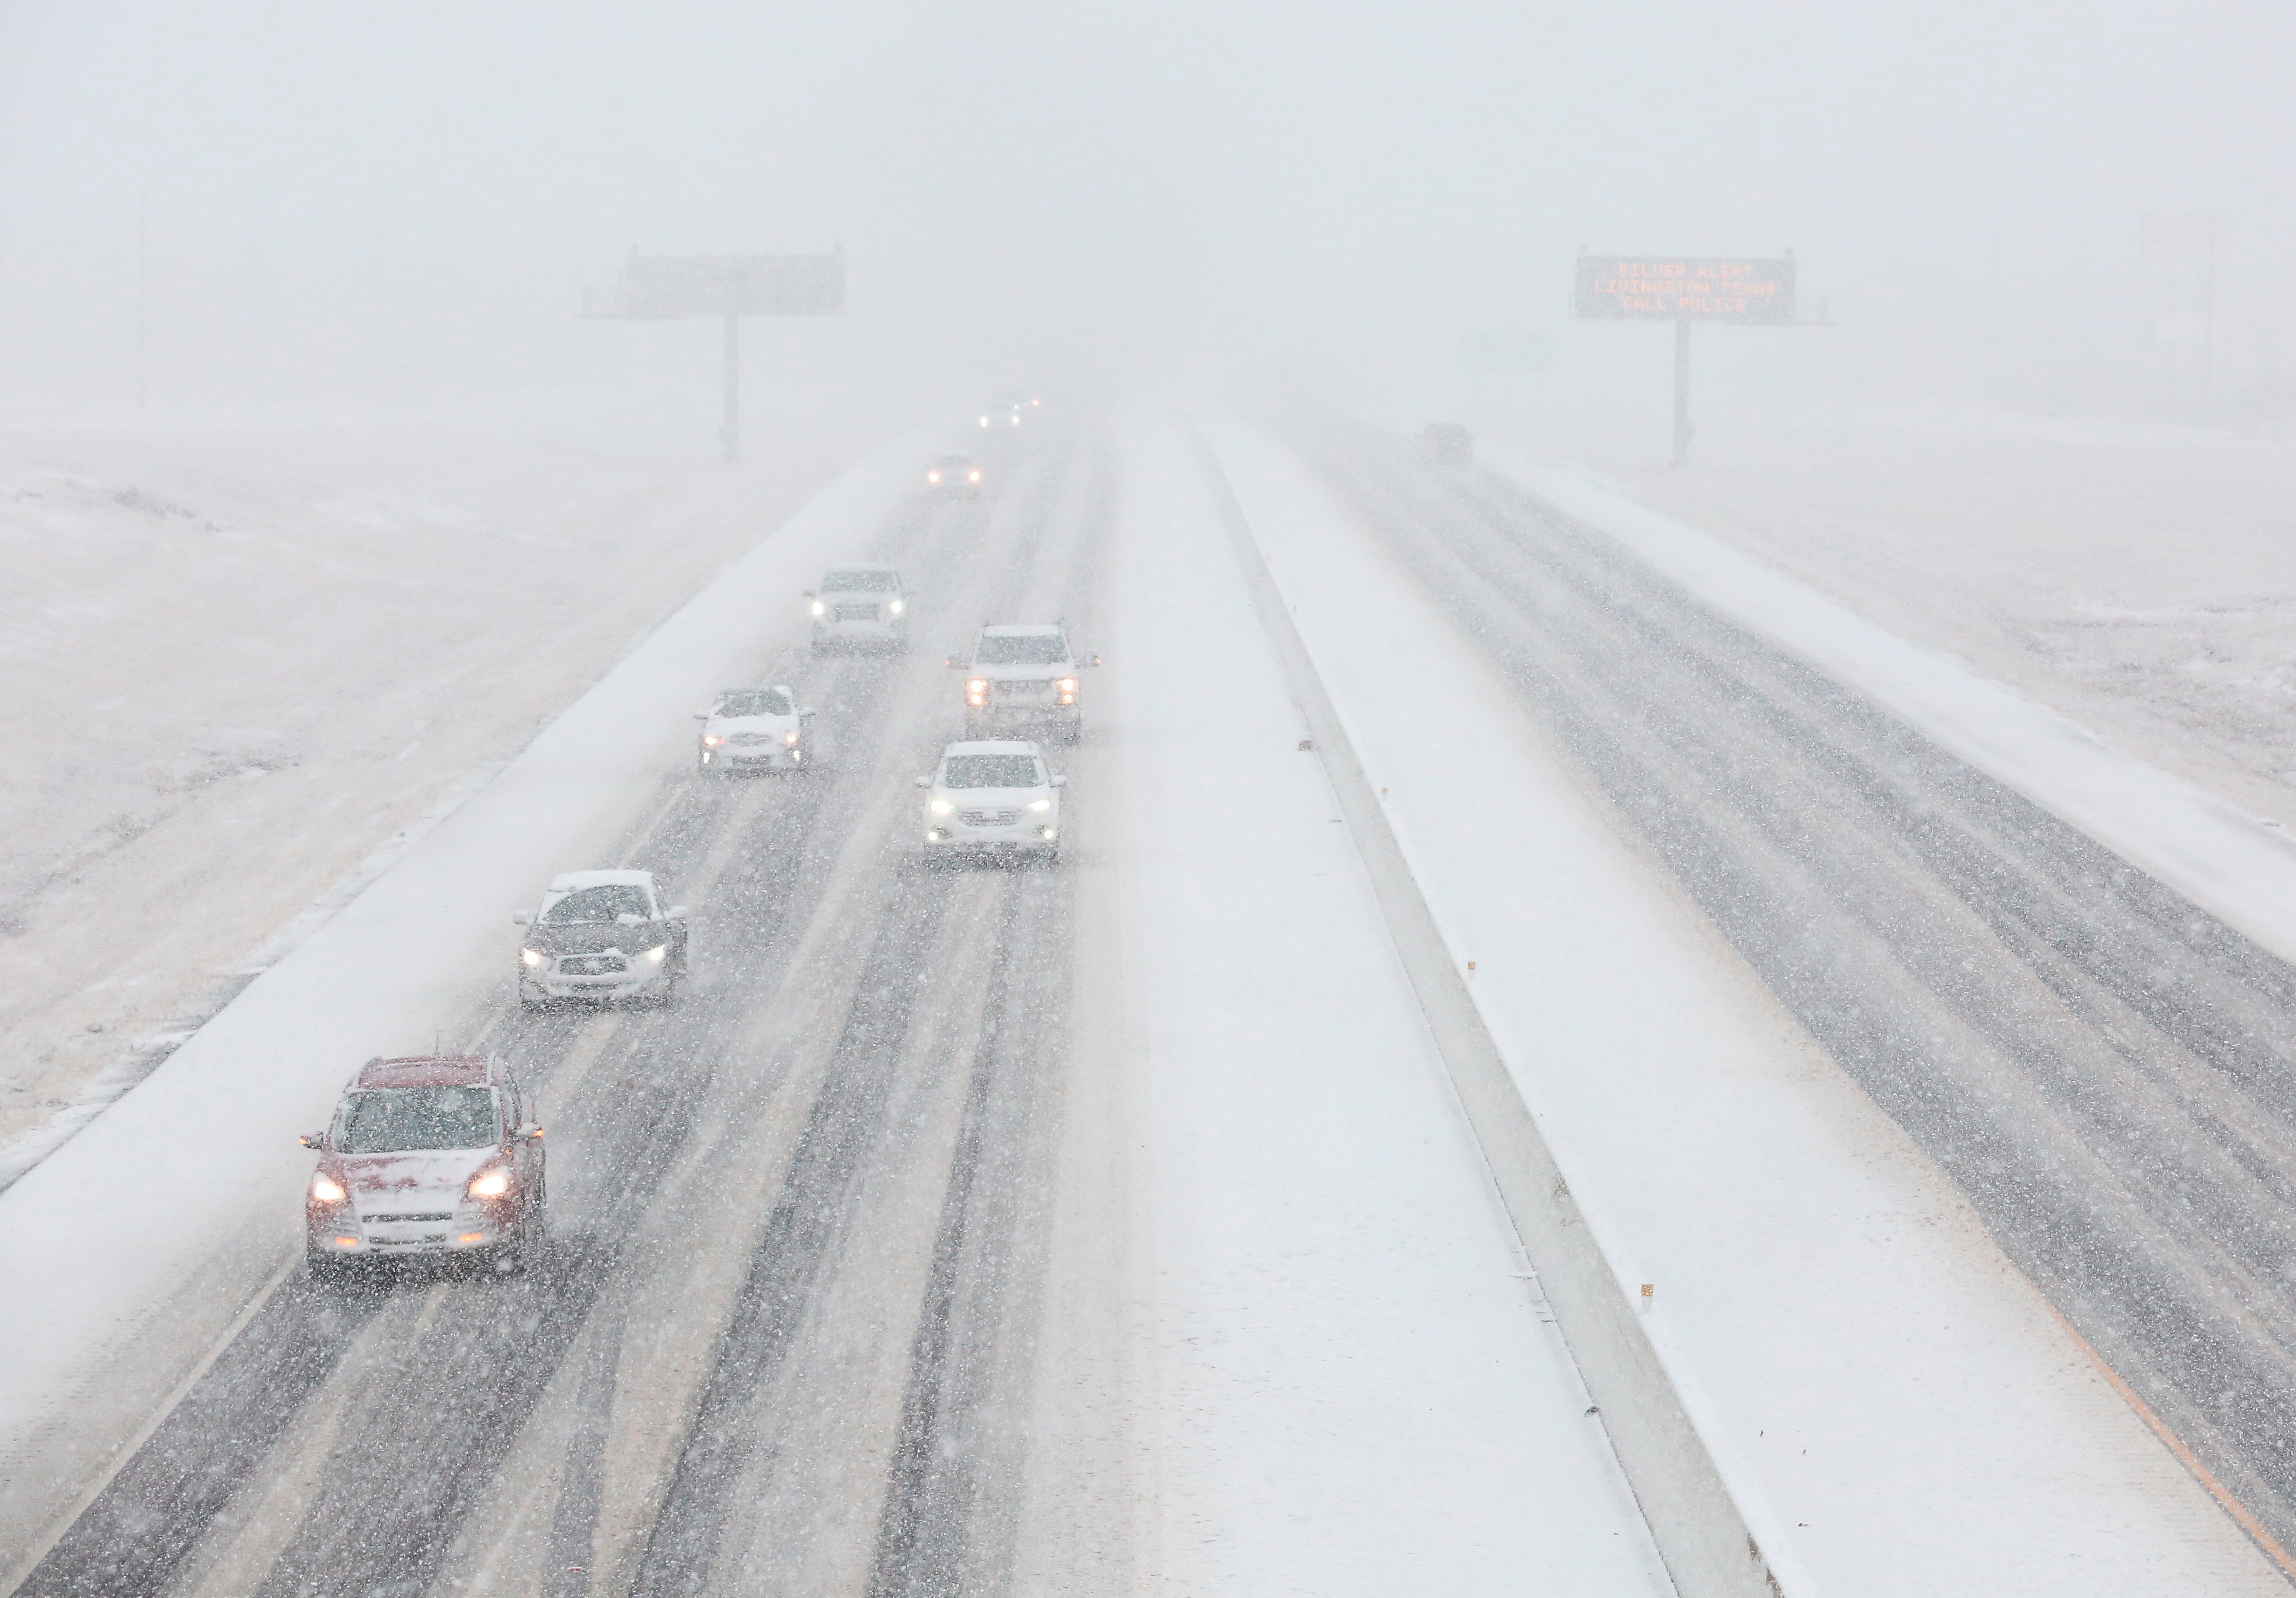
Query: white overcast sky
335, 184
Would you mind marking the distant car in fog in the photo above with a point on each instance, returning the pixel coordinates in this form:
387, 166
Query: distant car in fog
755, 729
602, 935
860, 605
954, 476
1024, 675
1448, 444
433, 1155
1010, 409
992, 797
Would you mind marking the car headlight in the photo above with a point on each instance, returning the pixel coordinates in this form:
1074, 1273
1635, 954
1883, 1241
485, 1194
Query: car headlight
820, 608
657, 952
977, 685
932, 477
975, 478
791, 736
490, 1184
1042, 804
532, 957
1068, 685
326, 1189
711, 739
984, 421
941, 807
895, 607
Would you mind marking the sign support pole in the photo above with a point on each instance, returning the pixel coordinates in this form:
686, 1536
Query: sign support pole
730, 435
664, 288
1683, 289
1682, 427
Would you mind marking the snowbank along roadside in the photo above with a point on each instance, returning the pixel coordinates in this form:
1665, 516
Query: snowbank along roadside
180, 1201
1872, 1376
2224, 860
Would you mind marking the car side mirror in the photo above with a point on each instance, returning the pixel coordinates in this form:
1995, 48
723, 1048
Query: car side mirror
629, 918
1094, 662
313, 1139
1060, 779
529, 1132
676, 913
805, 712
808, 594
701, 716
521, 918
954, 663
924, 781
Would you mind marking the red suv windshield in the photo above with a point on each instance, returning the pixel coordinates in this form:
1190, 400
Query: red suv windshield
394, 1121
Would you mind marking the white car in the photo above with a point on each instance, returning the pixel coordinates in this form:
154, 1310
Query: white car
954, 476
755, 729
1024, 678
993, 798
860, 605
602, 935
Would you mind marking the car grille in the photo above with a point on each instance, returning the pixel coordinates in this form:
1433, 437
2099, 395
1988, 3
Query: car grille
751, 740
1022, 689
855, 612
991, 818
444, 1215
591, 965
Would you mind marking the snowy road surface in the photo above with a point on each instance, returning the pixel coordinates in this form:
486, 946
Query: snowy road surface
2103, 1069
869, 1276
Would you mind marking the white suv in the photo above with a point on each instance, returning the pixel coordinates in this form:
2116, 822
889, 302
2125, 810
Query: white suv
860, 605
1024, 676
993, 798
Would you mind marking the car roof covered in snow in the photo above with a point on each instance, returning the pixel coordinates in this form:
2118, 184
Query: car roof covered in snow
992, 746
1022, 629
427, 1070
867, 568
569, 882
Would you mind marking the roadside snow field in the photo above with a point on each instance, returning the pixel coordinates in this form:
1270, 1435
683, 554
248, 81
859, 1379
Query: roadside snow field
140, 1274
1860, 1354
244, 663
2139, 578
1343, 1384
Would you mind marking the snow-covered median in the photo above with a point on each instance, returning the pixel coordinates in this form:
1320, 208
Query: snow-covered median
1345, 1385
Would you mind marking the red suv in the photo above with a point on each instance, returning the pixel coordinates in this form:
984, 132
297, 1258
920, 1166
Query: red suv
438, 1154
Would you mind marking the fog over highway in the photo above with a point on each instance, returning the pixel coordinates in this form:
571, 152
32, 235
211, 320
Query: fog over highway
1615, 915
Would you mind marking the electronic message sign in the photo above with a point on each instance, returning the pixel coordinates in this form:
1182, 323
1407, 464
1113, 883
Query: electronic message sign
1656, 288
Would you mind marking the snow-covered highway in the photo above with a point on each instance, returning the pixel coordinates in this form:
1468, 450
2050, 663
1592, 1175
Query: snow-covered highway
1115, 1227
